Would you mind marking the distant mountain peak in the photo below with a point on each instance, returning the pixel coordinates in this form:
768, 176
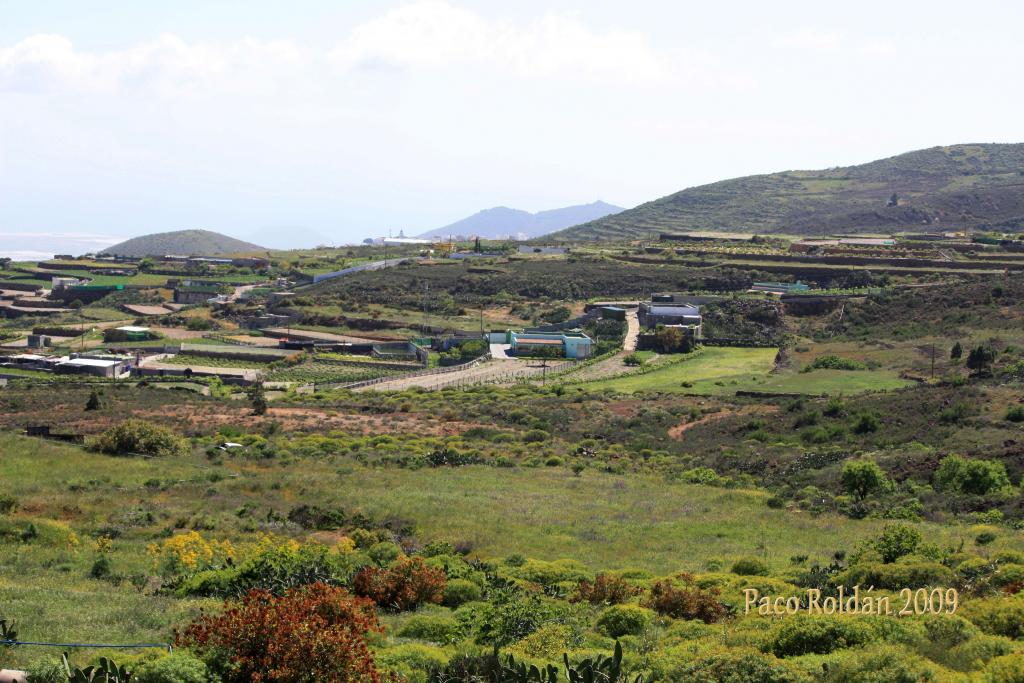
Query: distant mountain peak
501, 222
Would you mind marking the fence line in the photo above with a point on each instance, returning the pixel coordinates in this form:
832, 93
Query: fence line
418, 373
162, 646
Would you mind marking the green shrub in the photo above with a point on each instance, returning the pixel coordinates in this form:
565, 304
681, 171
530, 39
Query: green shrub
509, 617
817, 634
547, 642
737, 666
410, 660
1010, 574
47, 671
550, 573
1005, 669
140, 437
435, 628
459, 591
834, 408
896, 541
833, 362
948, 631
985, 537
976, 652
1015, 414
535, 436
179, 667
624, 620
866, 423
750, 566
977, 477
997, 616
8, 504
384, 553
898, 575
883, 664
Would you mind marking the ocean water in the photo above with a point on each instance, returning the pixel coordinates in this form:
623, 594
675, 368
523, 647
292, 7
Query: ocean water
37, 246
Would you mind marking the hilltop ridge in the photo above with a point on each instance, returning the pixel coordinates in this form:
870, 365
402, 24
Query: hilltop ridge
186, 242
973, 186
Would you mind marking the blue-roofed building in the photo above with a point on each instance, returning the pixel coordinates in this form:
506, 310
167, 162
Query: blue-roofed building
569, 344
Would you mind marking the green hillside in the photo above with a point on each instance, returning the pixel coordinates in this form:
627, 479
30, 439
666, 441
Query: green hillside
186, 242
963, 186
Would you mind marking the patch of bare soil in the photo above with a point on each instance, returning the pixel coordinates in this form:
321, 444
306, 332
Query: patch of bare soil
677, 431
310, 420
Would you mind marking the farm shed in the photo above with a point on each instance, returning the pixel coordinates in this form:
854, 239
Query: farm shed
654, 314
107, 366
195, 294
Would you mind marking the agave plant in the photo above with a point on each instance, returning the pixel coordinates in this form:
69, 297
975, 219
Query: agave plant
105, 672
600, 669
489, 669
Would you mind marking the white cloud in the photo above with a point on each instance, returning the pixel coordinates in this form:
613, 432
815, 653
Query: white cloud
42, 62
433, 33
811, 39
422, 35
167, 65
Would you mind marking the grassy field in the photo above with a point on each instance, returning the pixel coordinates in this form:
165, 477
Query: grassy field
605, 521
722, 370
713, 364
829, 382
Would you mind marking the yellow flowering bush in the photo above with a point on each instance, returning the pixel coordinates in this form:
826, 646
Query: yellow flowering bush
189, 553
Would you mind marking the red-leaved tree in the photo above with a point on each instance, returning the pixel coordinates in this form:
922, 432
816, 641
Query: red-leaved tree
685, 601
406, 585
310, 634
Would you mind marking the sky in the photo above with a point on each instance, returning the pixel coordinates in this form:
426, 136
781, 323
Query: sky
293, 123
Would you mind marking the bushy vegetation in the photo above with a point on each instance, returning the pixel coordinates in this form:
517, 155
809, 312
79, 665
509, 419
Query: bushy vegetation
138, 437
314, 632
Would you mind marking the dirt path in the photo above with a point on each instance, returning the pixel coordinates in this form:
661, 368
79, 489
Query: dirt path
632, 330
613, 366
677, 431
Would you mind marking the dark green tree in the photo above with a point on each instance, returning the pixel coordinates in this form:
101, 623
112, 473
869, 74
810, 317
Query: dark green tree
981, 358
94, 401
258, 398
956, 352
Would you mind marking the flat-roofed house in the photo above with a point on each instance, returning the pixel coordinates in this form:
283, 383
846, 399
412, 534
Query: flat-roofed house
653, 314
568, 344
100, 366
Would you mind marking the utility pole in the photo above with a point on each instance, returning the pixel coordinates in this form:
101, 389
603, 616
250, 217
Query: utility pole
426, 293
933, 361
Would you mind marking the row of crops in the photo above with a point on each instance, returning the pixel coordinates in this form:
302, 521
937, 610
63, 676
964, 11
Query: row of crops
323, 373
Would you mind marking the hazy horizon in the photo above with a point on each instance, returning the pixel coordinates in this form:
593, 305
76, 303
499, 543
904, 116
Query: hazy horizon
331, 124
